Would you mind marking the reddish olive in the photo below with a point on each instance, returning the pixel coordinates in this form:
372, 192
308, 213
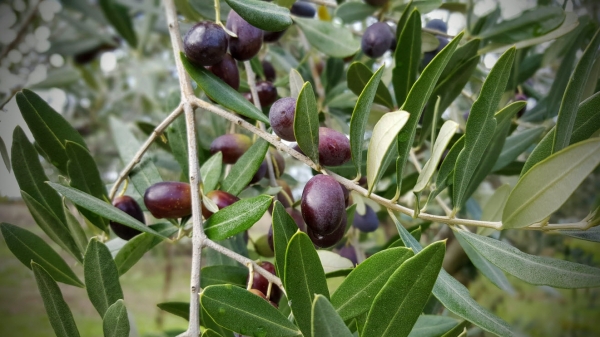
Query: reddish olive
232, 146
128, 205
281, 117
260, 283
169, 199
334, 147
323, 204
266, 91
221, 198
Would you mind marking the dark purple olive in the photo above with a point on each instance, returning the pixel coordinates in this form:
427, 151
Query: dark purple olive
260, 173
169, 199
269, 71
303, 9
438, 25
334, 147
323, 204
221, 198
205, 44
267, 93
271, 37
328, 240
128, 205
377, 40
377, 3
227, 71
281, 117
521, 97
232, 146
297, 216
249, 38
431, 54
350, 253
259, 282
367, 222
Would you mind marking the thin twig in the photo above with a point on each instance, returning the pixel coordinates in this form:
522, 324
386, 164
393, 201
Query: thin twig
138, 156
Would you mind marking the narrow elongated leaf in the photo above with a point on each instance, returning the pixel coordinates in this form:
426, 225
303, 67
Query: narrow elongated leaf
492, 210
28, 247
480, 126
567, 113
455, 297
181, 309
531, 23
213, 275
415, 102
356, 294
85, 177
210, 333
237, 217
49, 128
360, 115
424, 6
296, 83
327, 38
59, 314
592, 234
115, 322
102, 208
446, 133
284, 227
244, 169
52, 226
30, 174
144, 174
515, 145
221, 92
264, 15
101, 277
538, 270
118, 16
306, 123
493, 273
4, 154
407, 57
75, 229
432, 326
177, 136
544, 188
351, 11
135, 248
325, 320
382, 142
400, 302
243, 312
304, 278
357, 78
211, 172
446, 171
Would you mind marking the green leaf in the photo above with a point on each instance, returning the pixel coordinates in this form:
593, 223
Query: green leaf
177, 136
85, 177
567, 113
306, 123
548, 184
135, 248
284, 227
446, 171
241, 311
360, 116
432, 326
304, 278
515, 145
407, 57
52, 226
531, 23
30, 174
446, 133
493, 273
357, 78
350, 11
480, 126
264, 15
455, 297
356, 294
102, 208
296, 83
101, 277
74, 227
492, 210
592, 234
424, 6
244, 169
115, 322
429, 42
28, 247
327, 38
181, 309
383, 143
210, 333
400, 302
537, 270
4, 154
415, 102
221, 92
118, 16
213, 275
144, 174
59, 314
49, 128
237, 217
325, 320
211, 172
207, 8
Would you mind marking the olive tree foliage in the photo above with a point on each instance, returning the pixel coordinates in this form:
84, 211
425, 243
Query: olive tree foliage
424, 167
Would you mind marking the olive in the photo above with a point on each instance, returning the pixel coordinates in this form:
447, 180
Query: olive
221, 198
350, 253
269, 71
297, 216
303, 9
367, 222
267, 93
334, 147
322, 204
328, 240
249, 38
260, 283
438, 25
281, 117
227, 71
205, 43
169, 199
377, 40
232, 146
128, 205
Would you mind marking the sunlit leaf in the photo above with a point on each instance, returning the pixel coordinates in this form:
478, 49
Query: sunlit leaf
237, 217
262, 14
101, 277
245, 168
115, 322
296, 83
211, 171
306, 123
